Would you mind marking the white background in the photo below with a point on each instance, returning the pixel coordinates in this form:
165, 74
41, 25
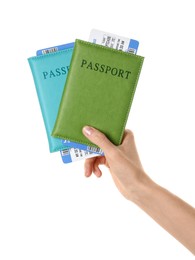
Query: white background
49, 210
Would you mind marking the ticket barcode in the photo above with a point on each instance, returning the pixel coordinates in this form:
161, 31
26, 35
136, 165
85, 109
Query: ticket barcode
121, 46
65, 152
54, 49
87, 152
108, 41
78, 153
131, 50
94, 149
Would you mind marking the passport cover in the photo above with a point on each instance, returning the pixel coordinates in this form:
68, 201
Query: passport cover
99, 92
49, 73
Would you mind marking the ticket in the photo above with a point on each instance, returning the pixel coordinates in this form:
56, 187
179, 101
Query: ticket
55, 48
75, 154
113, 41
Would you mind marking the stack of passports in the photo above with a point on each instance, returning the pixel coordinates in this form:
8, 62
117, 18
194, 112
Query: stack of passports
98, 91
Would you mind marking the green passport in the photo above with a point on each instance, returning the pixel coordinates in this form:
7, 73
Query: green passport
99, 91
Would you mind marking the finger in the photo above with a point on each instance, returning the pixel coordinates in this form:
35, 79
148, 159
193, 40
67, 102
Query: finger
98, 138
99, 161
128, 142
97, 171
88, 166
128, 137
129, 146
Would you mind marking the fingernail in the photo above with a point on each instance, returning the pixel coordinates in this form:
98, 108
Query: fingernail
87, 174
87, 130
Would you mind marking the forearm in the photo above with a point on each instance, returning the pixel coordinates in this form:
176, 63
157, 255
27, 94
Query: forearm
173, 214
169, 211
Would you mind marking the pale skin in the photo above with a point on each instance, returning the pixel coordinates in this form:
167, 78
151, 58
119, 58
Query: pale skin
172, 213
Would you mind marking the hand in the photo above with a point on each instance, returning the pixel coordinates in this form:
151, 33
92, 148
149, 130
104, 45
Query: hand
168, 210
123, 161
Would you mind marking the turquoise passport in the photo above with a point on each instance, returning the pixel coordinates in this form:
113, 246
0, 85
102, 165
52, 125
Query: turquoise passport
49, 73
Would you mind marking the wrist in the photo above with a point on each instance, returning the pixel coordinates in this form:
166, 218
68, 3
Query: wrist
143, 190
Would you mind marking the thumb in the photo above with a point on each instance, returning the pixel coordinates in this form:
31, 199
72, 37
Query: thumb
98, 138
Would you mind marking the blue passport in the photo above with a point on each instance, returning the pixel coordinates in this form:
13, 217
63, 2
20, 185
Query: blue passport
49, 73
